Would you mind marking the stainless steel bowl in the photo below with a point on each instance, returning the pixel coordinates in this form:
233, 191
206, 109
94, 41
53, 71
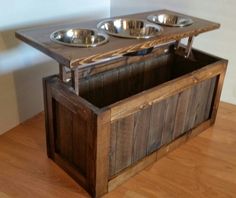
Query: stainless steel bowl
129, 28
79, 37
170, 20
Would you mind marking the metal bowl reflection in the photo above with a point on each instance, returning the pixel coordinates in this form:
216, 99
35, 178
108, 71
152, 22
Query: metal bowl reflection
170, 20
79, 37
130, 28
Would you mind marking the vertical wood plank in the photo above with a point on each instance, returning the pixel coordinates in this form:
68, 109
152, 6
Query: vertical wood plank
64, 122
110, 80
124, 142
124, 76
157, 118
210, 98
171, 105
181, 113
102, 153
220, 81
112, 154
48, 108
202, 101
78, 143
193, 102
140, 138
137, 77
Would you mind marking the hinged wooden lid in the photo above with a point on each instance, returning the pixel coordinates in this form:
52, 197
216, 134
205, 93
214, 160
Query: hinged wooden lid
74, 57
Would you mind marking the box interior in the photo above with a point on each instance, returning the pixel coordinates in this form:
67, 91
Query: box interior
108, 87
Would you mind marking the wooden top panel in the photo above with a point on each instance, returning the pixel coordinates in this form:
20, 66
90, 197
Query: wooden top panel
80, 57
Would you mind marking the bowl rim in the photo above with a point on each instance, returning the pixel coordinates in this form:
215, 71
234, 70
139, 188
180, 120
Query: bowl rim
188, 19
105, 36
147, 24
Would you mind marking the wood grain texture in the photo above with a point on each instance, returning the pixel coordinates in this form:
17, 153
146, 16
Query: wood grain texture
205, 166
131, 79
80, 137
169, 120
74, 57
141, 133
154, 126
133, 103
122, 148
181, 113
147, 161
157, 118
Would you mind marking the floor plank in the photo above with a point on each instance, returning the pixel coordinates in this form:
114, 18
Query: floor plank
203, 167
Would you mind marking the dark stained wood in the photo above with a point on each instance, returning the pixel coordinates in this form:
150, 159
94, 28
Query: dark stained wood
133, 103
125, 60
118, 113
122, 131
48, 117
78, 148
181, 113
217, 93
63, 131
102, 144
140, 136
203, 97
195, 100
112, 154
156, 126
131, 79
123, 116
168, 129
148, 160
210, 97
73, 57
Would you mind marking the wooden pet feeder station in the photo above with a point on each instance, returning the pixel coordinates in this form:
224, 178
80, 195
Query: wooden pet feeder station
121, 102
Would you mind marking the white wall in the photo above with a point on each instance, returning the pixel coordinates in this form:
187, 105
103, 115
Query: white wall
221, 42
21, 66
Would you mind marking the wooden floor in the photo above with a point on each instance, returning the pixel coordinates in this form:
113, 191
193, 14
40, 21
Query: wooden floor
204, 167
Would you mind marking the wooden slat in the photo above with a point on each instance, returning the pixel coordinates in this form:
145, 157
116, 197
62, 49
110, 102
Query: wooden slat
102, 154
49, 116
181, 113
71, 170
156, 125
124, 143
195, 100
112, 153
210, 98
140, 136
169, 121
78, 142
217, 94
64, 131
203, 97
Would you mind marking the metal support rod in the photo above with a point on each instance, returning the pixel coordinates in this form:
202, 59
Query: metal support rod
188, 48
177, 44
64, 73
75, 80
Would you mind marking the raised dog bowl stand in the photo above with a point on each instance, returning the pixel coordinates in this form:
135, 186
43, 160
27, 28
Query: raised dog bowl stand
111, 112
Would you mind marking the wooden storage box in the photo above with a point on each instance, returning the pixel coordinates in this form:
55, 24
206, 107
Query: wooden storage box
127, 117
109, 114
